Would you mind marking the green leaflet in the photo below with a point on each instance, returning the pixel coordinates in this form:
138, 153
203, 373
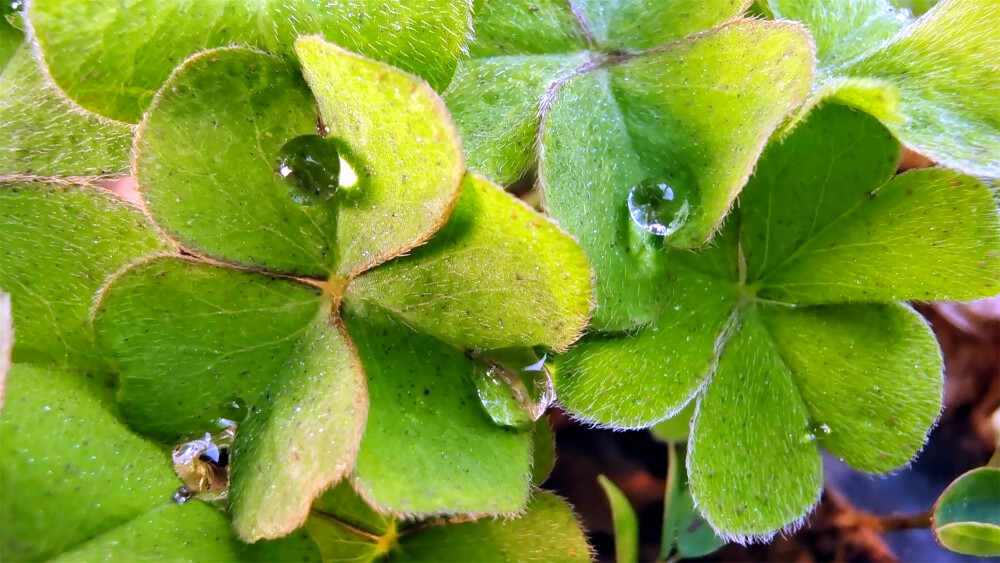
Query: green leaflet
626, 525
513, 253
685, 532
198, 345
111, 59
79, 486
966, 516
431, 427
58, 244
785, 331
545, 531
44, 134
206, 159
191, 339
933, 81
404, 148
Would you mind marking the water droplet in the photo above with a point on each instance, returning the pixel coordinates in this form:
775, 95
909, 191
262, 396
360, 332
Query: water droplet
182, 495
656, 207
235, 410
311, 164
820, 430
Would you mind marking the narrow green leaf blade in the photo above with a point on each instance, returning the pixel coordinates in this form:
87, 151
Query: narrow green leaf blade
112, 58
753, 468
434, 449
966, 516
546, 531
69, 470
870, 375
498, 275
44, 134
408, 156
625, 523
206, 158
58, 245
304, 438
196, 343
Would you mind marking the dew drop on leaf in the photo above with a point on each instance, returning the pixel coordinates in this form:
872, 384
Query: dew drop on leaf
657, 207
311, 166
234, 411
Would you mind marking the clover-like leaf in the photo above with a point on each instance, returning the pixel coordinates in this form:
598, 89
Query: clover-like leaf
931, 81
967, 514
79, 485
45, 135
408, 152
207, 158
203, 342
346, 529
613, 101
58, 244
111, 59
786, 331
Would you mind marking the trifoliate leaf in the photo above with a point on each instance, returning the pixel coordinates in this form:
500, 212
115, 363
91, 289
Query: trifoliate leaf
208, 163
77, 485
532, 280
787, 357
112, 58
44, 134
932, 81
199, 347
58, 244
433, 448
565, 85
408, 158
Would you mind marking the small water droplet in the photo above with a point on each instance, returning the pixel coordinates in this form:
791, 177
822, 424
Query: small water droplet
16, 5
657, 208
820, 430
311, 164
182, 495
234, 410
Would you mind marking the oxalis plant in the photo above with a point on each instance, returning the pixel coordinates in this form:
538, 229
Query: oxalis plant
770, 311
316, 335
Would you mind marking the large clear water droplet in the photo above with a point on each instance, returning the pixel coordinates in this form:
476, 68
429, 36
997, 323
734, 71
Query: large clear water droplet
311, 164
501, 396
657, 207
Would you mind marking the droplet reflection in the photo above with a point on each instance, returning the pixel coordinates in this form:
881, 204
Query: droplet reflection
657, 208
311, 164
